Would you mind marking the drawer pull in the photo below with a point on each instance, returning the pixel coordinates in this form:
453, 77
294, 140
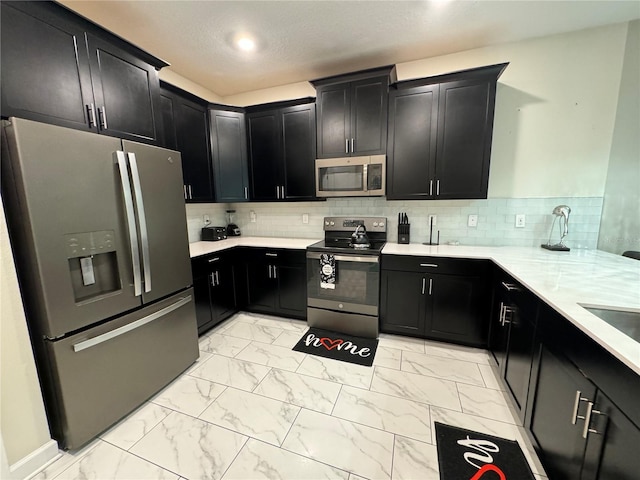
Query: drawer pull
510, 287
271, 254
587, 421
215, 259
423, 284
432, 265
576, 407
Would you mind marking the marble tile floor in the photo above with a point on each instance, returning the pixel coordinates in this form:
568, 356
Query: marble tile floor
251, 408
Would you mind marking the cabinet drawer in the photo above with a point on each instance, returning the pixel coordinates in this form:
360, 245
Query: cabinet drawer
276, 256
203, 265
435, 265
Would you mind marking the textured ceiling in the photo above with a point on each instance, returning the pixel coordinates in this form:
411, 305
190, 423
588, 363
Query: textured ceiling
304, 40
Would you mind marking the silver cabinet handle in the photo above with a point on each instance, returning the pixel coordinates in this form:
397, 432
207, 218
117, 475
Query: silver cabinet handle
184, 187
283, 192
78, 347
424, 281
501, 317
576, 407
509, 287
352, 150
131, 222
507, 310
365, 180
346, 145
102, 117
268, 254
217, 277
277, 192
213, 280
587, 420
214, 259
430, 187
430, 285
246, 193
438, 187
275, 272
92, 115
270, 274
431, 265
142, 221
190, 192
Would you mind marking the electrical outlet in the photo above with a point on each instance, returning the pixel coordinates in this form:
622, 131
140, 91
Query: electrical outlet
434, 217
207, 220
252, 216
520, 220
472, 221
305, 218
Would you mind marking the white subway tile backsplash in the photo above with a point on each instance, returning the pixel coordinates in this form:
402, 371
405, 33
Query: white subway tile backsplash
496, 219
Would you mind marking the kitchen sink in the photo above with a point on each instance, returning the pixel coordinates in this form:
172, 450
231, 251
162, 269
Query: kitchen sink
627, 321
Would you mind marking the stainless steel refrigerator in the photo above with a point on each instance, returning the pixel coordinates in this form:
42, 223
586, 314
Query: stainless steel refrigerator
98, 230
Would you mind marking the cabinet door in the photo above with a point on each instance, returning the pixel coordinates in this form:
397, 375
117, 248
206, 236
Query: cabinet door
45, 67
402, 302
202, 300
561, 442
612, 450
265, 154
223, 295
168, 114
193, 142
517, 367
457, 309
498, 330
465, 123
292, 289
261, 288
334, 120
229, 152
369, 116
411, 155
127, 93
299, 151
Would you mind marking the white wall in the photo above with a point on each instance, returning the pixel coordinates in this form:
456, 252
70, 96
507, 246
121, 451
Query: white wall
179, 81
23, 424
555, 109
620, 226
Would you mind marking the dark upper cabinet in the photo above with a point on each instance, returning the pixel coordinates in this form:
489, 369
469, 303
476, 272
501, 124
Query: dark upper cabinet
45, 76
281, 144
187, 130
352, 113
440, 132
229, 154
59, 68
451, 305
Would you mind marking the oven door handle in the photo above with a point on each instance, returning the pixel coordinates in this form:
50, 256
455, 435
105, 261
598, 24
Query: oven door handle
347, 258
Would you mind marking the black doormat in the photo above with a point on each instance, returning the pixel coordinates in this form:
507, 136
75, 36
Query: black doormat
468, 455
338, 346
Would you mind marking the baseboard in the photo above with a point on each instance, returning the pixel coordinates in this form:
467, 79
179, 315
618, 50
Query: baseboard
35, 461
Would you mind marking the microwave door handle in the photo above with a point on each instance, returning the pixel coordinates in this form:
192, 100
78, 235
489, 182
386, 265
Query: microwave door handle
142, 221
365, 175
131, 222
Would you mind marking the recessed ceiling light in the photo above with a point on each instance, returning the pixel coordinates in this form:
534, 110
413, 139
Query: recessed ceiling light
245, 43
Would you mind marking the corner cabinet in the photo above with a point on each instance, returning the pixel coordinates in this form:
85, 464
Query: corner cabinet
440, 132
436, 298
229, 153
186, 130
61, 69
281, 140
214, 289
352, 113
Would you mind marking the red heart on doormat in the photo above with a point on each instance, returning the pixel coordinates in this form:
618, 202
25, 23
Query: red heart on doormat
330, 344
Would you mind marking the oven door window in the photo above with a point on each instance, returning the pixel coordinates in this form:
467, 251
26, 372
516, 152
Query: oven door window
356, 282
341, 179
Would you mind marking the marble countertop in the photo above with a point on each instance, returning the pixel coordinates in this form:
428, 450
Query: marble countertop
203, 248
564, 280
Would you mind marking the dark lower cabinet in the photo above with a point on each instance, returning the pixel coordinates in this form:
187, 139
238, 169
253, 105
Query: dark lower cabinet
451, 305
276, 282
214, 289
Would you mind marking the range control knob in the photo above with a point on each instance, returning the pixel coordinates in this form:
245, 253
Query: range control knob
333, 223
326, 223
375, 224
381, 224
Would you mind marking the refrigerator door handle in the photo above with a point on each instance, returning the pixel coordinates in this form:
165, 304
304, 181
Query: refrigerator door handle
131, 222
142, 221
78, 347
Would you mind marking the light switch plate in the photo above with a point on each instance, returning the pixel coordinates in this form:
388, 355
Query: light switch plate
520, 221
252, 216
207, 220
305, 218
472, 221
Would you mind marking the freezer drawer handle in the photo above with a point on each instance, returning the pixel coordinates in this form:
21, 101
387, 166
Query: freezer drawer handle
142, 221
131, 222
78, 347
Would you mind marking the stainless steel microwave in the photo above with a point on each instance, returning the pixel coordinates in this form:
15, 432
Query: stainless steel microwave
351, 176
